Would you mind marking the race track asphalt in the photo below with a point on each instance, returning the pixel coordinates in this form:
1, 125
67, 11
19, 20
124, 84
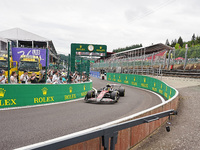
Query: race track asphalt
27, 126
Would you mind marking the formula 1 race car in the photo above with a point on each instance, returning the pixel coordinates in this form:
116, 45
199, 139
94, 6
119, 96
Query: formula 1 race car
109, 94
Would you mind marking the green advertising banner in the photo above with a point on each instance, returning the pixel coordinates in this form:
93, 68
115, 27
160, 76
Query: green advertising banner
88, 49
78, 49
16, 95
144, 82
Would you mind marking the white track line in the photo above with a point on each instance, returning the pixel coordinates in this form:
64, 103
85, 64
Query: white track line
40, 105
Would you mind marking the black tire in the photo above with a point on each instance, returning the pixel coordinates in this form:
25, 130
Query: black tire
114, 95
121, 91
89, 95
86, 99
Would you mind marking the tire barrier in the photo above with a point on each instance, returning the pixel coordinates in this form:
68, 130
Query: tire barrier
17, 95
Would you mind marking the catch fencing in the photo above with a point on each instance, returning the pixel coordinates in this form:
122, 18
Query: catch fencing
152, 64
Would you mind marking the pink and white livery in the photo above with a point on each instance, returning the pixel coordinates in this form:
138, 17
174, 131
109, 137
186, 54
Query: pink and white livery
109, 94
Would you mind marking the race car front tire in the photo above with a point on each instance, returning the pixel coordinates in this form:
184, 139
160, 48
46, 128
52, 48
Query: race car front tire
114, 95
89, 95
121, 91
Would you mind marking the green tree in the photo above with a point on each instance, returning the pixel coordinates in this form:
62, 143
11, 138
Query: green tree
180, 41
193, 37
181, 53
173, 43
193, 54
193, 40
167, 42
197, 40
177, 46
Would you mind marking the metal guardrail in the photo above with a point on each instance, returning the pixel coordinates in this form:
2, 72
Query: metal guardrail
107, 133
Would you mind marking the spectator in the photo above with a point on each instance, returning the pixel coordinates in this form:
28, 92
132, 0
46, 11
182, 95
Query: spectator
74, 75
70, 78
24, 77
77, 79
34, 78
51, 72
60, 81
83, 77
50, 80
3, 79
55, 77
42, 77
64, 80
13, 78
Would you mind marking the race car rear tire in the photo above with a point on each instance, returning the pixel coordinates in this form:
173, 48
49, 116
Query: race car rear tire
121, 91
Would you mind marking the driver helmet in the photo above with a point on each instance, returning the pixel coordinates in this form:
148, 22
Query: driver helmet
108, 86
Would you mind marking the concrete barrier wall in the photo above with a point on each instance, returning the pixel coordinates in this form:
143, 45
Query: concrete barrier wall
17, 95
131, 136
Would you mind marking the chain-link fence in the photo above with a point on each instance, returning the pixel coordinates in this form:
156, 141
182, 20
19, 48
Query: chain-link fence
181, 59
187, 59
136, 65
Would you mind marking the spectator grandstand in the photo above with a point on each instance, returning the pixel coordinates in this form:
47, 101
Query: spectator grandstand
139, 58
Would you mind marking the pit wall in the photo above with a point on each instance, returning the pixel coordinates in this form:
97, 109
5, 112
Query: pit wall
130, 137
18, 95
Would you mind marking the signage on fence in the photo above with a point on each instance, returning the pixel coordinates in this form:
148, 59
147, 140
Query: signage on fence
14, 95
143, 82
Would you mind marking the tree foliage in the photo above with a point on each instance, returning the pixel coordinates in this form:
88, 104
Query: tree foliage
180, 41
167, 42
63, 57
193, 47
193, 52
173, 43
193, 37
177, 46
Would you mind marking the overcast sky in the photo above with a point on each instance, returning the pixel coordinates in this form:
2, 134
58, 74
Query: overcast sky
115, 23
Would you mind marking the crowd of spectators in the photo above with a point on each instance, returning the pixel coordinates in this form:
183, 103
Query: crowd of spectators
53, 77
